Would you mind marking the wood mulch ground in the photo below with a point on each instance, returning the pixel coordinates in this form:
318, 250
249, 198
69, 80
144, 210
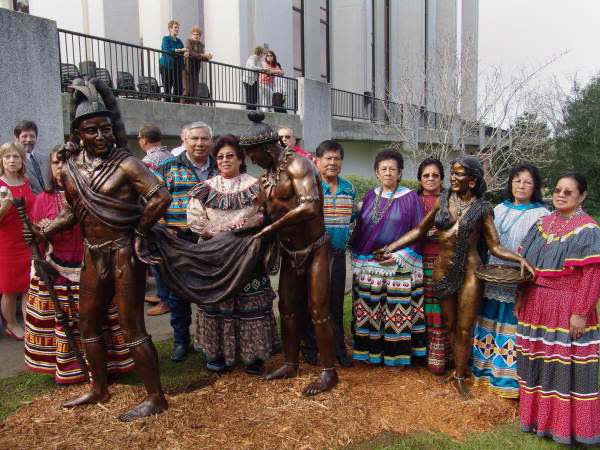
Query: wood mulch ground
239, 411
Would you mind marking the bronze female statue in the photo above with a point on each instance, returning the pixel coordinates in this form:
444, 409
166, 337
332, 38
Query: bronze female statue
465, 224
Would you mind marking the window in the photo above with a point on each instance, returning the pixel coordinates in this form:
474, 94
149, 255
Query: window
324, 34
298, 20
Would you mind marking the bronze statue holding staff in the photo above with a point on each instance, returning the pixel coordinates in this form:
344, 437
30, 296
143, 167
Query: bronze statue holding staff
104, 188
464, 222
291, 211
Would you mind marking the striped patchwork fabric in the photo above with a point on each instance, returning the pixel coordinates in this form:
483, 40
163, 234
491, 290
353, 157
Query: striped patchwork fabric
46, 347
389, 316
179, 177
340, 211
558, 376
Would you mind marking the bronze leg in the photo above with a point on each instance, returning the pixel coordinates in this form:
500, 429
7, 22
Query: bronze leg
318, 300
289, 310
94, 296
129, 296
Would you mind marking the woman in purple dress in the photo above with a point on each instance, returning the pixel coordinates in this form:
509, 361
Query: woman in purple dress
388, 317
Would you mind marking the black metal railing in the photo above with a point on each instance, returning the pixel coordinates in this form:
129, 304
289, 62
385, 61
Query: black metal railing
355, 106
146, 73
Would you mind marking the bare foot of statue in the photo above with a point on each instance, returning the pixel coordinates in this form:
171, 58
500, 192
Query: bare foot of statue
446, 379
461, 386
285, 371
327, 380
87, 399
147, 408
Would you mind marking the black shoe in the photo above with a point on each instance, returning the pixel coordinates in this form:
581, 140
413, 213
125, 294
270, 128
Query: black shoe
310, 358
179, 353
255, 368
344, 360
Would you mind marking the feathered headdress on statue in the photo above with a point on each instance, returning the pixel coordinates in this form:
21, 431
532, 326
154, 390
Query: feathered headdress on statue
93, 98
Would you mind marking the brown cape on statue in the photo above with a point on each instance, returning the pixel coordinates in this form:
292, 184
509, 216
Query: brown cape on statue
104, 187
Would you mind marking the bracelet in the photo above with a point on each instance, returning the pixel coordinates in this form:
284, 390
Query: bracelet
43, 232
153, 191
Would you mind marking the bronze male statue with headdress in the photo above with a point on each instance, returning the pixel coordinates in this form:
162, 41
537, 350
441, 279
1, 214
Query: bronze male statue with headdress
466, 231
116, 199
291, 212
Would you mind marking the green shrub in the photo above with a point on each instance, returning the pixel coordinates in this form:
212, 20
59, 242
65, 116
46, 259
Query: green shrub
364, 184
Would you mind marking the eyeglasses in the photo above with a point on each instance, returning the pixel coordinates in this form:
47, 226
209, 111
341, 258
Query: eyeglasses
226, 156
565, 192
139, 137
285, 136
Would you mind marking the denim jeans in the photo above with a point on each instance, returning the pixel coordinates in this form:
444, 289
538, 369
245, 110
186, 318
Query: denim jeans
181, 319
162, 292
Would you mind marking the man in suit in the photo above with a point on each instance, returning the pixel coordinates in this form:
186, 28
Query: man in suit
26, 133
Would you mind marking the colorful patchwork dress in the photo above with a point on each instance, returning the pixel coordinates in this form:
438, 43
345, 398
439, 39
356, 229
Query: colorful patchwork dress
558, 376
494, 339
46, 347
241, 328
388, 317
438, 346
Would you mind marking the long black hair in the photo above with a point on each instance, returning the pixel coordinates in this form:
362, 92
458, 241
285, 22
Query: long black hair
536, 196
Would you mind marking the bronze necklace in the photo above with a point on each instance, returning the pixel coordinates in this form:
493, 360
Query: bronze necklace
460, 206
269, 185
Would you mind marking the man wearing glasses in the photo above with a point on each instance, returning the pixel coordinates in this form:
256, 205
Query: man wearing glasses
288, 140
181, 174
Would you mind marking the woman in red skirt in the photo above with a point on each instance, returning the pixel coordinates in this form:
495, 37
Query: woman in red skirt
46, 347
558, 332
15, 256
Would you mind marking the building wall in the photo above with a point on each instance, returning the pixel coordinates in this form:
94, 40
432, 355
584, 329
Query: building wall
30, 84
350, 45
469, 53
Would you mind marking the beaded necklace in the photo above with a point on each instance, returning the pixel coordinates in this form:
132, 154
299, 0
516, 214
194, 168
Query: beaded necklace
376, 213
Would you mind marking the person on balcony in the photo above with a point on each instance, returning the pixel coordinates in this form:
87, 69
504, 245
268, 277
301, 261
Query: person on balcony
253, 63
171, 61
194, 55
267, 79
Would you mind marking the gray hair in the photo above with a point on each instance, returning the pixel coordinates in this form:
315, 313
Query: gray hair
193, 125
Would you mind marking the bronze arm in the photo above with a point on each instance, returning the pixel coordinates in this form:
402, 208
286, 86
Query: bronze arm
493, 242
413, 235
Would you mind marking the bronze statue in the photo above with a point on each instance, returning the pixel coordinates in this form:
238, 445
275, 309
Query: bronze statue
291, 211
104, 188
464, 222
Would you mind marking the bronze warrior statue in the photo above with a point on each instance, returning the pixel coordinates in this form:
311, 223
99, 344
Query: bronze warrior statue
291, 211
464, 222
104, 188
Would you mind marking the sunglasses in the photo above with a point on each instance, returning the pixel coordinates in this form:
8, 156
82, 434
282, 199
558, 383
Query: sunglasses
226, 156
565, 192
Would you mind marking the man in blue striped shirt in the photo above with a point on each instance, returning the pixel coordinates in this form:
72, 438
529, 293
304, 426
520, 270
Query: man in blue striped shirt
340, 211
180, 174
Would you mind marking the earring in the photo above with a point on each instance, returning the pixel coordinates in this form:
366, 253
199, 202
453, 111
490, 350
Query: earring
81, 143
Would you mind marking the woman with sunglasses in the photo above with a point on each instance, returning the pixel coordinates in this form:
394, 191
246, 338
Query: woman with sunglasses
241, 328
558, 332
